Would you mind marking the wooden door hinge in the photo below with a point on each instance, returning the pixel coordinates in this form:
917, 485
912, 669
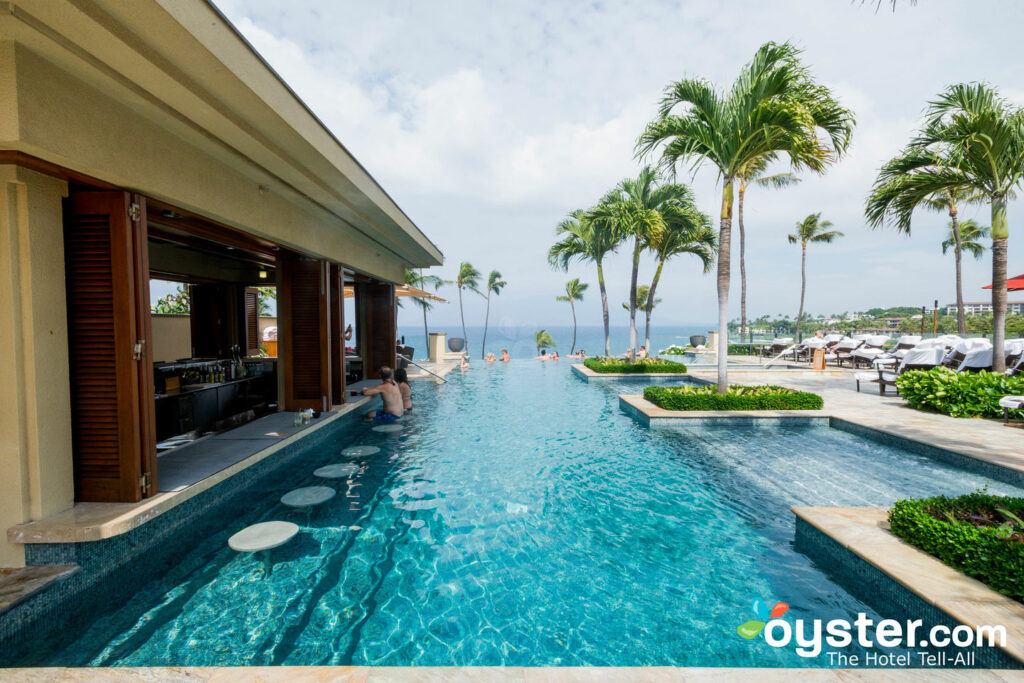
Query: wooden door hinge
145, 481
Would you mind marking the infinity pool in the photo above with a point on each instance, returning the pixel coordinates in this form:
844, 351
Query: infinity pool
520, 518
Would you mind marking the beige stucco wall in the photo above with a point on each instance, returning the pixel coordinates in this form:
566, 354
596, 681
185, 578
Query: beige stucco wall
35, 421
172, 337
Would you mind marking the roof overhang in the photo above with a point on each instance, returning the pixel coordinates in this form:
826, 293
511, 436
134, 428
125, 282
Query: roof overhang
182, 62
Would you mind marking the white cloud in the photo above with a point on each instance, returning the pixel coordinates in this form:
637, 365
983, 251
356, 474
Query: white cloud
488, 122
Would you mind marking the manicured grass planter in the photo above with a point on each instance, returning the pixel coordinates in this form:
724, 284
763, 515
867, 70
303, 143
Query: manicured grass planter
959, 394
970, 534
761, 397
640, 366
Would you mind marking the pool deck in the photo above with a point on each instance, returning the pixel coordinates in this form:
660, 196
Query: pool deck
361, 674
983, 439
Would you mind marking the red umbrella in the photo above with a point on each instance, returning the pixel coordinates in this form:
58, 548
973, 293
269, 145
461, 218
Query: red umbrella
1013, 284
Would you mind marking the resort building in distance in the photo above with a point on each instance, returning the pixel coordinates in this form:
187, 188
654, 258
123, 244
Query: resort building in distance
982, 307
147, 140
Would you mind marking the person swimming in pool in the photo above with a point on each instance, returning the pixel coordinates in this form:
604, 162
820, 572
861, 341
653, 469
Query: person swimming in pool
402, 380
554, 355
490, 358
543, 355
390, 396
504, 356
464, 365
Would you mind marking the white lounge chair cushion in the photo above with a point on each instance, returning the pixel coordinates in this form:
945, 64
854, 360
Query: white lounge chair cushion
889, 377
867, 376
867, 354
1012, 402
924, 356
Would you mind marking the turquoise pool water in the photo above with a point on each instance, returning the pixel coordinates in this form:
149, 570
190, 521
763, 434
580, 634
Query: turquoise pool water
520, 518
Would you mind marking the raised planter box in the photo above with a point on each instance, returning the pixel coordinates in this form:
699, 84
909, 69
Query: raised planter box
855, 545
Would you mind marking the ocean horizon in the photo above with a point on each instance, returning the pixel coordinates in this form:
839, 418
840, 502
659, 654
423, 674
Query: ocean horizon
519, 339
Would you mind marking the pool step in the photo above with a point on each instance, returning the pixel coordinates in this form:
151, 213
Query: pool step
18, 585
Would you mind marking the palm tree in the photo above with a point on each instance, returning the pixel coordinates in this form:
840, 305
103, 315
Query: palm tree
810, 229
686, 231
544, 340
468, 278
417, 279
947, 201
494, 284
753, 173
642, 292
580, 237
774, 107
964, 237
636, 209
573, 292
972, 141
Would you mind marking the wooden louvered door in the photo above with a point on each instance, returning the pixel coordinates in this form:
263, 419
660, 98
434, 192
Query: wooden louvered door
252, 321
303, 333
377, 326
113, 424
336, 291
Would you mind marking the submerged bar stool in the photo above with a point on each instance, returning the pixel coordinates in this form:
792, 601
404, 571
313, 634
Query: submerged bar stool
388, 429
360, 451
262, 538
307, 498
340, 471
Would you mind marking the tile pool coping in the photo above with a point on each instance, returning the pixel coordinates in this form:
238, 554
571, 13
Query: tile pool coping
586, 374
864, 533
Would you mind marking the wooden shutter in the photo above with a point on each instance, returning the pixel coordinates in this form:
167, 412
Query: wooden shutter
113, 425
377, 326
336, 291
304, 331
252, 321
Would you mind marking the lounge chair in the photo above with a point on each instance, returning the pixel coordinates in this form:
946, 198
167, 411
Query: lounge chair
1008, 403
1014, 355
1016, 367
869, 350
843, 350
883, 374
956, 356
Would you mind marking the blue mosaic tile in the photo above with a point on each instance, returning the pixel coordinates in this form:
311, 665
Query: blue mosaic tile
113, 569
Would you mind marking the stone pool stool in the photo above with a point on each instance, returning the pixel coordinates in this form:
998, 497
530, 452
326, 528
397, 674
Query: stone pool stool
360, 451
336, 471
387, 429
262, 538
308, 496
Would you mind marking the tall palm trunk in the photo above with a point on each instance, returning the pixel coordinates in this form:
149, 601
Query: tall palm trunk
632, 299
426, 334
487, 319
743, 266
1000, 233
650, 304
572, 307
604, 309
961, 319
463, 316
724, 241
803, 288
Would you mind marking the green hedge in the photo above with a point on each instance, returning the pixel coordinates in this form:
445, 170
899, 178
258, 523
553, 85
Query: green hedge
647, 365
992, 552
960, 394
761, 397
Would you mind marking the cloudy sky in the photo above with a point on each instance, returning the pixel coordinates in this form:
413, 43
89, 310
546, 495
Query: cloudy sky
489, 121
